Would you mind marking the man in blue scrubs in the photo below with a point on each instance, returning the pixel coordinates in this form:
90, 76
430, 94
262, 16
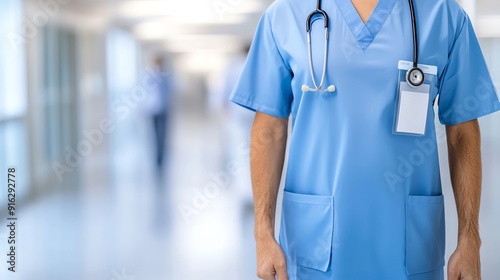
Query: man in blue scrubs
362, 202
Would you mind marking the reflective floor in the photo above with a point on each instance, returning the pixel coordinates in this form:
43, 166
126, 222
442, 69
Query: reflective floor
129, 225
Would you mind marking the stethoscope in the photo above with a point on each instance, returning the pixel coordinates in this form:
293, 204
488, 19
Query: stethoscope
414, 75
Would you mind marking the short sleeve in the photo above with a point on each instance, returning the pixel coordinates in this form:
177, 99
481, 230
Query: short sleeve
265, 82
466, 88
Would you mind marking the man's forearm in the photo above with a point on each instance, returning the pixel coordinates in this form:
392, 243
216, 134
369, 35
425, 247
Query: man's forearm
267, 153
464, 154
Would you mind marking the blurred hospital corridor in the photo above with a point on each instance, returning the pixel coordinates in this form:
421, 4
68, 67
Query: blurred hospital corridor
130, 161
121, 218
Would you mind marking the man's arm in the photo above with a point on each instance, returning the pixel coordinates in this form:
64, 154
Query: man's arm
267, 155
464, 155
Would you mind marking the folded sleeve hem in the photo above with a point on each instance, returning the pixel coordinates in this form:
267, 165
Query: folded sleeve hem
455, 121
254, 106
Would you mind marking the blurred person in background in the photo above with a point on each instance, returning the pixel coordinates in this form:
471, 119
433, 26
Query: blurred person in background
157, 107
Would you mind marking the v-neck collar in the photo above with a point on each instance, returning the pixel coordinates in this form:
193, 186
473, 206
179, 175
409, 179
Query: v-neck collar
365, 33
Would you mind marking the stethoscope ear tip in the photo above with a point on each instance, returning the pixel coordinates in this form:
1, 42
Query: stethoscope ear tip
306, 88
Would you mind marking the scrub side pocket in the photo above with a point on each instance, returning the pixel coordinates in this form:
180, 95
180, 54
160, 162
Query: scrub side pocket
307, 229
425, 234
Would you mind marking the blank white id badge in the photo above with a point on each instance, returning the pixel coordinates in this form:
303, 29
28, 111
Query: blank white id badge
413, 103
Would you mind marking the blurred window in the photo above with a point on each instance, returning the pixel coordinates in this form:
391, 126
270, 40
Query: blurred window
13, 82
12, 56
60, 90
122, 56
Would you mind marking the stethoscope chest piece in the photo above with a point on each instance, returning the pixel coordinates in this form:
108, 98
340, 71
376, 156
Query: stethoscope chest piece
415, 77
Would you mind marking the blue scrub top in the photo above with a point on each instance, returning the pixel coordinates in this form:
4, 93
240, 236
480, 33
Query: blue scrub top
361, 202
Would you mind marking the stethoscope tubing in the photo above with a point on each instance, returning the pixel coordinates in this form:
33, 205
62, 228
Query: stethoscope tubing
325, 54
411, 72
415, 37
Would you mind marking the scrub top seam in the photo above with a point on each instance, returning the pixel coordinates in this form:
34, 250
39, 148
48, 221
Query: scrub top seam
381, 23
276, 45
494, 109
361, 31
256, 106
346, 22
445, 68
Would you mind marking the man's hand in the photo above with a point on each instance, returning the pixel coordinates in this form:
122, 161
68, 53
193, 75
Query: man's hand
464, 152
271, 261
464, 264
